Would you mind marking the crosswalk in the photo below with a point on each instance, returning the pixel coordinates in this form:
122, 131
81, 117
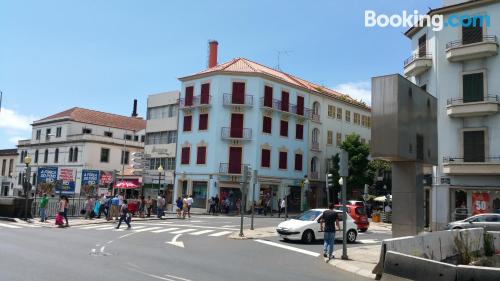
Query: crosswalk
16, 225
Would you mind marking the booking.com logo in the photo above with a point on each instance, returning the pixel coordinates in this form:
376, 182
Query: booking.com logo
437, 22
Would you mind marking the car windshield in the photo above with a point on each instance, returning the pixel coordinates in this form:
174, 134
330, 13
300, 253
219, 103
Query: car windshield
360, 211
308, 216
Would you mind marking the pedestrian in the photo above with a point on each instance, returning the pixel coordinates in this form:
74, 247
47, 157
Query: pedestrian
89, 207
159, 207
178, 203
282, 206
43, 207
60, 213
102, 201
190, 203
184, 207
97, 207
212, 206
115, 207
142, 206
238, 205
328, 222
65, 212
107, 207
149, 206
124, 215
217, 202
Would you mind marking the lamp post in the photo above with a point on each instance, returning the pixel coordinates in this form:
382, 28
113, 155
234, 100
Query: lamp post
160, 171
27, 161
303, 193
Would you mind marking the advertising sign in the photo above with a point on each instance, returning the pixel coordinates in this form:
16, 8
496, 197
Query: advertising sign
47, 175
90, 181
66, 181
480, 203
106, 178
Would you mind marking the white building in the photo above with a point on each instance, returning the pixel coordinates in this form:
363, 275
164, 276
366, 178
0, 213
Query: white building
81, 147
161, 138
460, 66
243, 113
7, 172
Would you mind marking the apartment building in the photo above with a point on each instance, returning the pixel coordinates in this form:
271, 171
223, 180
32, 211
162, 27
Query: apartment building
460, 66
7, 173
81, 151
244, 113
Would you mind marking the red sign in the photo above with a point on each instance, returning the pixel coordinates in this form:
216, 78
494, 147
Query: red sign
66, 175
106, 178
480, 203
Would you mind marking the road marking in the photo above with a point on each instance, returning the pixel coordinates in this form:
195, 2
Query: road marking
183, 231
182, 279
220, 233
9, 226
368, 241
146, 229
175, 242
298, 250
150, 275
93, 226
106, 228
230, 225
202, 232
165, 230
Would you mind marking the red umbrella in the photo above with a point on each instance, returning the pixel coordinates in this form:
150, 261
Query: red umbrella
126, 185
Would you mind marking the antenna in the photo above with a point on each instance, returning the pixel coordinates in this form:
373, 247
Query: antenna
278, 55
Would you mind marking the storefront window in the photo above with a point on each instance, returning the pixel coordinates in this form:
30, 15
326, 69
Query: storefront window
229, 196
199, 194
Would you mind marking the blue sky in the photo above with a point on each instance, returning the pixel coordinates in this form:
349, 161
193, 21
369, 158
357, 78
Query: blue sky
96, 54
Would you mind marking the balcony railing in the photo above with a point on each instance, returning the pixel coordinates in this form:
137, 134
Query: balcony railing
292, 108
315, 146
315, 117
236, 133
417, 56
232, 100
457, 101
471, 40
230, 169
197, 101
480, 165
459, 160
314, 175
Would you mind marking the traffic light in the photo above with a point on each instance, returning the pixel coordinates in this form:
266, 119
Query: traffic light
329, 180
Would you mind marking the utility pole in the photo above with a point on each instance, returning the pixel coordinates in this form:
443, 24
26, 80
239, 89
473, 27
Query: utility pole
244, 181
343, 173
255, 176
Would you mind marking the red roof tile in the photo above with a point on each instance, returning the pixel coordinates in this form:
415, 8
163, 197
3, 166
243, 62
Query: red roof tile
98, 118
243, 65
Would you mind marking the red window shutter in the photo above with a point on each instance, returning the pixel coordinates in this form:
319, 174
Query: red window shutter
187, 123
267, 124
201, 155
205, 94
298, 162
185, 155
189, 96
299, 131
283, 159
284, 128
268, 96
235, 156
300, 105
236, 125
238, 96
265, 159
285, 101
203, 125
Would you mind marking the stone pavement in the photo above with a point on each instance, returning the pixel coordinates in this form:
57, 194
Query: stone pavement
77, 221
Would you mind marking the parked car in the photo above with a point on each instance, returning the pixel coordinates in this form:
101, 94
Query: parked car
306, 227
490, 222
358, 214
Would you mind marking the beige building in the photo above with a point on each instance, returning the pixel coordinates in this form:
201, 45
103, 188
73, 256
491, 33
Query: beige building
7, 173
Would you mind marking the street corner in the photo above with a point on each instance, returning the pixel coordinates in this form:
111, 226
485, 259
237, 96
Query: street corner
263, 232
361, 260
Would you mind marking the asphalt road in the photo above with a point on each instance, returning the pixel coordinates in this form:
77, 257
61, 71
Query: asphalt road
198, 250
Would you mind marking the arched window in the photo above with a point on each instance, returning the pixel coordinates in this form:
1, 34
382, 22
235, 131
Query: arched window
36, 156
316, 109
314, 164
75, 154
56, 155
46, 156
315, 135
70, 155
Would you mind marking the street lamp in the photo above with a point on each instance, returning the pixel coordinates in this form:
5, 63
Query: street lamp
160, 171
27, 161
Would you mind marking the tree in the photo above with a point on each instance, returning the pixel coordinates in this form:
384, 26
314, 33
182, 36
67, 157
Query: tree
358, 162
379, 168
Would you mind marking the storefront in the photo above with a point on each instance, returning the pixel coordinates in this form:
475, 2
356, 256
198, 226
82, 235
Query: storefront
199, 194
229, 198
469, 201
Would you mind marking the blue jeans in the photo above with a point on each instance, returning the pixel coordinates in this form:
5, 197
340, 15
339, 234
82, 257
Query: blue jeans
329, 239
124, 218
42, 215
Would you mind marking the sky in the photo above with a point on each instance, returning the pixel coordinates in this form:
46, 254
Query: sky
100, 55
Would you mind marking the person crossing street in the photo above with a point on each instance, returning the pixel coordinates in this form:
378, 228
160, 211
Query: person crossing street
328, 222
124, 215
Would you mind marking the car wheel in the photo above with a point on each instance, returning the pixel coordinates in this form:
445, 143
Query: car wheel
363, 229
308, 236
351, 236
457, 227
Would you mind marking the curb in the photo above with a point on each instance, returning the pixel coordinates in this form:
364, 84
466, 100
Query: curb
345, 266
7, 219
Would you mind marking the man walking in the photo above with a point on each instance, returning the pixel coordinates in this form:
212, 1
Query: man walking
159, 207
328, 222
124, 215
282, 203
190, 203
43, 208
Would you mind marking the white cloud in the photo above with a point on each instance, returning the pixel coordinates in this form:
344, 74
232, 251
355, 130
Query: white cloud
356, 90
15, 126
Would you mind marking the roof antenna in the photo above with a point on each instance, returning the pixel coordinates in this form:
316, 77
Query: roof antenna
278, 55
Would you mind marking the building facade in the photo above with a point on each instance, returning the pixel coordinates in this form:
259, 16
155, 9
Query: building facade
7, 171
160, 146
80, 151
460, 65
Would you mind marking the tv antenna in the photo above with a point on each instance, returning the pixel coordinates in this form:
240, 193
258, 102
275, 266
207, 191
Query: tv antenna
278, 55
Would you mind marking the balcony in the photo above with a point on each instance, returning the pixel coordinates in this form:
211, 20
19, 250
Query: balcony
197, 101
231, 100
287, 108
227, 169
472, 48
314, 175
228, 133
315, 146
458, 108
417, 64
457, 166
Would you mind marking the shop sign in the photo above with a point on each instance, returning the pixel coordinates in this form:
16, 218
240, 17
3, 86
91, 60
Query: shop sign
480, 202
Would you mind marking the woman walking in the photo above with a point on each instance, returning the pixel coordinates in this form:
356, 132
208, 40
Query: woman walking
89, 206
178, 202
124, 215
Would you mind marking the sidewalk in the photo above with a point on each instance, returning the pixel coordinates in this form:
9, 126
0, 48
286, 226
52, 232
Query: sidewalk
78, 221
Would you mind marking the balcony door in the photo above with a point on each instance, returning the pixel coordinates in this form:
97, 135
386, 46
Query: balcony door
300, 105
236, 125
422, 46
285, 100
268, 96
473, 87
472, 31
235, 157
189, 96
205, 93
474, 146
238, 96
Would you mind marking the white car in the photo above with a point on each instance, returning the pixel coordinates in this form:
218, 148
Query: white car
306, 227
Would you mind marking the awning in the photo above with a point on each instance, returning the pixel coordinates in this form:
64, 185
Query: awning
127, 184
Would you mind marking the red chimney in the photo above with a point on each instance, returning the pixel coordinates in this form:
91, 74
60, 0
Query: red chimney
212, 53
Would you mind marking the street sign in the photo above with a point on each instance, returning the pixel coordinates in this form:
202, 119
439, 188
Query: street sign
138, 154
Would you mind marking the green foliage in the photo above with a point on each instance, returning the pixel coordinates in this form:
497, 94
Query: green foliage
489, 247
358, 161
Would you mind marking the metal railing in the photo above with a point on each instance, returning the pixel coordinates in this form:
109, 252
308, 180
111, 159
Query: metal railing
315, 117
75, 205
314, 175
228, 100
195, 102
315, 146
274, 104
292, 108
471, 39
489, 98
236, 133
225, 168
452, 160
417, 56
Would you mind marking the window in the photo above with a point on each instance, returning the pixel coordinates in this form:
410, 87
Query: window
267, 124
347, 116
167, 163
36, 156
298, 162
265, 158
422, 46
203, 124
472, 30
331, 111
315, 135
108, 134
162, 112
238, 93
339, 139
187, 123
38, 134
104, 155
56, 155
127, 137
329, 137
339, 113
300, 105
268, 96
125, 157
299, 131
161, 137
282, 160
356, 118
11, 167
58, 132
46, 156
47, 134
4, 165
473, 87
185, 155
368, 122
86, 131
136, 138
19, 178
363, 120
75, 154
205, 93
284, 128
189, 96
473, 146
70, 155
285, 100
201, 155
143, 138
